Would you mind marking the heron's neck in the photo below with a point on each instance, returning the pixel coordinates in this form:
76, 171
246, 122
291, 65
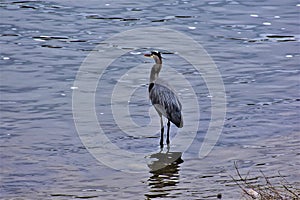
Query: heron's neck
157, 60
155, 72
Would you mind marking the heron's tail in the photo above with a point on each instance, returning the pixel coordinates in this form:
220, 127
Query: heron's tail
177, 120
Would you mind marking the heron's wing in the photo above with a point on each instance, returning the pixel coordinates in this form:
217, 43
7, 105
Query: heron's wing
166, 102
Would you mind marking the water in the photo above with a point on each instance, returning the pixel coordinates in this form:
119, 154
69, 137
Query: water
254, 44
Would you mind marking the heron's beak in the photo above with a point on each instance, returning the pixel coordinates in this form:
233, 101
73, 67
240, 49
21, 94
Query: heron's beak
148, 55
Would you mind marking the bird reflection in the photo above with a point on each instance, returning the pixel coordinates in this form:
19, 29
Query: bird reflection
164, 169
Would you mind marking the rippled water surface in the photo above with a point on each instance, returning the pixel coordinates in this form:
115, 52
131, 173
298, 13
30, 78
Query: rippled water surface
254, 44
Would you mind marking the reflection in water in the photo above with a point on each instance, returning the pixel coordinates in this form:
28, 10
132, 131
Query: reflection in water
43, 154
164, 169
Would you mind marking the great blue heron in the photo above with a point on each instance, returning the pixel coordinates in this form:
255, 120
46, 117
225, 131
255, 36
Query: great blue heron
163, 98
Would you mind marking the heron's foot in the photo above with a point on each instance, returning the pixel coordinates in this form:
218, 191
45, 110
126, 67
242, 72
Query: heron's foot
168, 148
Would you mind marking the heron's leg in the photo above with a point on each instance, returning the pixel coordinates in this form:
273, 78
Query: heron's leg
168, 137
161, 132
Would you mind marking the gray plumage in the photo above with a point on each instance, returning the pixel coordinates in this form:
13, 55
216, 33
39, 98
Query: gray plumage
163, 98
166, 103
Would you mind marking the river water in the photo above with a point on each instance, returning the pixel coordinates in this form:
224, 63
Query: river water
255, 46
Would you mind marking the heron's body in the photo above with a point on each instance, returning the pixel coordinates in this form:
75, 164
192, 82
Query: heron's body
166, 103
163, 98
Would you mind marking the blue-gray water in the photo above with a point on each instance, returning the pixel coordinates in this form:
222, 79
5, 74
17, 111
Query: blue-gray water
254, 44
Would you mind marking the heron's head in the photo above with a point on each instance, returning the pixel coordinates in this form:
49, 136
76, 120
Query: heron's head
156, 56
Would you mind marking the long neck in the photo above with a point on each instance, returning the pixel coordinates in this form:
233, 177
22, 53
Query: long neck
157, 60
155, 72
